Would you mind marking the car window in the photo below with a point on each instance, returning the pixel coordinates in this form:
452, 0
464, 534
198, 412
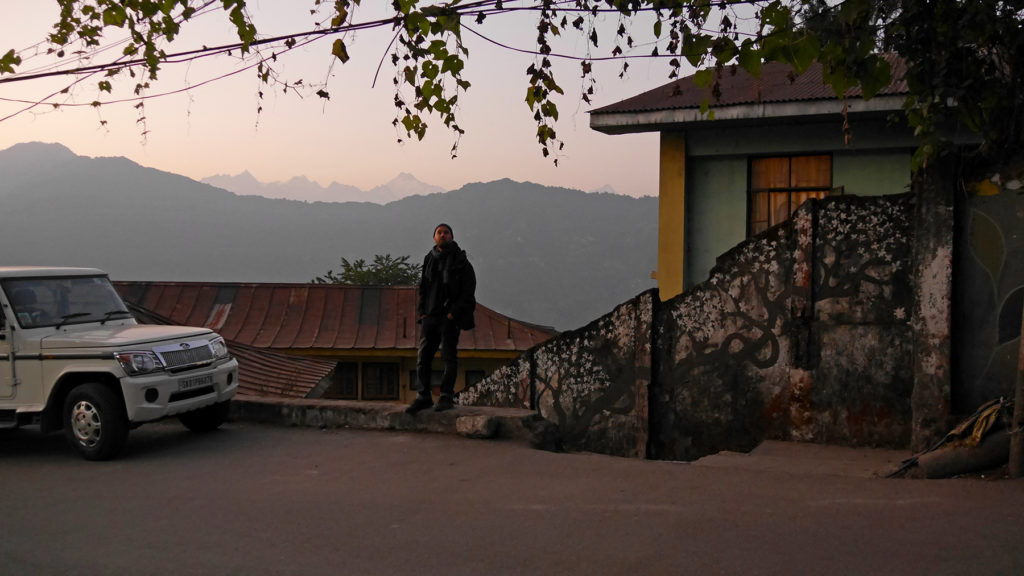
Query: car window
40, 302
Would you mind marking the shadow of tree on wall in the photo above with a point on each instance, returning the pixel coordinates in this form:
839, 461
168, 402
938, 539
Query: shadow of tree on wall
741, 351
592, 385
801, 332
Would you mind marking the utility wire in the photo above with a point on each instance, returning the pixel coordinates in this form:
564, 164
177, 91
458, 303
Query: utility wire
484, 8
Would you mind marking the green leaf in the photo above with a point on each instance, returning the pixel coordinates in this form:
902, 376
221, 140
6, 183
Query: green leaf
340, 16
805, 51
703, 78
452, 65
723, 49
9, 61
531, 96
430, 70
749, 58
417, 23
695, 47
114, 15
877, 77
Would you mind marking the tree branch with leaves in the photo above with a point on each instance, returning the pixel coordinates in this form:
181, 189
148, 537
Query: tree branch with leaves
963, 58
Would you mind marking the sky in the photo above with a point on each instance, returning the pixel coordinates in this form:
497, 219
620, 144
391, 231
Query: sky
214, 128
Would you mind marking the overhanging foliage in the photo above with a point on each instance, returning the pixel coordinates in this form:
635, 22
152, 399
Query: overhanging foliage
964, 57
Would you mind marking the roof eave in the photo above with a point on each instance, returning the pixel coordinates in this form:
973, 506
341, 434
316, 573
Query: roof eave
679, 118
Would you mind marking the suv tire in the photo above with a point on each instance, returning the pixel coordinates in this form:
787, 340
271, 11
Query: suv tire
95, 422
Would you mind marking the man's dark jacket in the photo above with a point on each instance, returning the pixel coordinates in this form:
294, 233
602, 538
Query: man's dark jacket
448, 286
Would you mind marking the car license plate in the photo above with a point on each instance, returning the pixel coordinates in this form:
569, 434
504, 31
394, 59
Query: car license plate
195, 382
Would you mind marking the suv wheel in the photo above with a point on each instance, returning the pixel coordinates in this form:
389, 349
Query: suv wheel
207, 418
95, 422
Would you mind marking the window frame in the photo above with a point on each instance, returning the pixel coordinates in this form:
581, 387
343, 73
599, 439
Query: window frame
790, 190
395, 385
336, 390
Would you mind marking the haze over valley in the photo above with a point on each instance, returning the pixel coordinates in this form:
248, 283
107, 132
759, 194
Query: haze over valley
552, 256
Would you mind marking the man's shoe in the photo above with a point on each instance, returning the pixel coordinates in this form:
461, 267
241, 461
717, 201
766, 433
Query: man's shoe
418, 405
445, 403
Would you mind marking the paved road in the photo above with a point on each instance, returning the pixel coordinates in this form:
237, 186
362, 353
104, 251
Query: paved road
253, 500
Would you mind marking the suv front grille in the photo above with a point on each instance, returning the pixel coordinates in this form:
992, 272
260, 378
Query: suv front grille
177, 357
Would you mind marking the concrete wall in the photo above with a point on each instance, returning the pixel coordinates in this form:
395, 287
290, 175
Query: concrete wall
989, 290
800, 333
592, 382
830, 327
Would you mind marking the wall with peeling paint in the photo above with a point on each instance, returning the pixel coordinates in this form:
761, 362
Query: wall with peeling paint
800, 333
592, 382
806, 332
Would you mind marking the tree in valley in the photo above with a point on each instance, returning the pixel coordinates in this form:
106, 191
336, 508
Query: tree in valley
384, 271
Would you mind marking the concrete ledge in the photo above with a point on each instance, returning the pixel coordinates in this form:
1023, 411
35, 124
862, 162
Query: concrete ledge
508, 423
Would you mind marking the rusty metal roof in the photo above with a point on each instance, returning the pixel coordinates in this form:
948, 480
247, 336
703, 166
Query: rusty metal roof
262, 372
318, 317
777, 83
266, 373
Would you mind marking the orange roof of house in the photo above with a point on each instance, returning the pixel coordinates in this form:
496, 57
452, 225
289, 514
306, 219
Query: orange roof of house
317, 317
777, 83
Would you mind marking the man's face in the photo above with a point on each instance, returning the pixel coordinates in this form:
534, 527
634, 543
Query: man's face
442, 236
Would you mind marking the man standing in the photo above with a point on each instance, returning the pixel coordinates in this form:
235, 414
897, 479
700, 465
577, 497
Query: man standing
446, 304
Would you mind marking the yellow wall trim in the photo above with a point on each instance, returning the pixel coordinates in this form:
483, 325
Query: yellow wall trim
671, 214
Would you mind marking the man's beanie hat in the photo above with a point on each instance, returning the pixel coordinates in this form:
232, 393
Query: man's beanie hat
446, 226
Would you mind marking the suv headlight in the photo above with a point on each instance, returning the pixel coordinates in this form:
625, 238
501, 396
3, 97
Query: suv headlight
219, 347
135, 363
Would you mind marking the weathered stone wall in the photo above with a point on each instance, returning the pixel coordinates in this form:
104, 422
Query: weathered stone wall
801, 333
592, 382
717, 342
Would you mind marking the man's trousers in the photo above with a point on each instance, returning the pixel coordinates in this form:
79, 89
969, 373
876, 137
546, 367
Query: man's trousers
444, 333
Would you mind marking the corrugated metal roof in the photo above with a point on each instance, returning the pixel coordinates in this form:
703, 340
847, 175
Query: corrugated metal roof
266, 373
777, 83
296, 317
262, 372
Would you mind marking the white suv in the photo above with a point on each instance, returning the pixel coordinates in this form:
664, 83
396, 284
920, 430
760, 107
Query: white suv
72, 357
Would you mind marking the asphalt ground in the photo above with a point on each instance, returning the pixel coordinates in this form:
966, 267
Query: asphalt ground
255, 499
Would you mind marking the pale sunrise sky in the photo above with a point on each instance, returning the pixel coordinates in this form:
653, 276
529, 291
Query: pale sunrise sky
214, 129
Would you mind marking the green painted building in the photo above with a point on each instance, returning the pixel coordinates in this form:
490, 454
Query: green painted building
767, 144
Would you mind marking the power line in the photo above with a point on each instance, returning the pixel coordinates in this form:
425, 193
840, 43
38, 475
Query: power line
287, 42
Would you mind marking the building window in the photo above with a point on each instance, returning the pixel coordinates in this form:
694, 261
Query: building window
344, 382
380, 381
473, 377
778, 186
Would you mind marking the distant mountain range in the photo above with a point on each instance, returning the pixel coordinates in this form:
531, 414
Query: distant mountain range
304, 189
546, 255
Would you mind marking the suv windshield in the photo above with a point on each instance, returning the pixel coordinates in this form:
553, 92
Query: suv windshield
57, 301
